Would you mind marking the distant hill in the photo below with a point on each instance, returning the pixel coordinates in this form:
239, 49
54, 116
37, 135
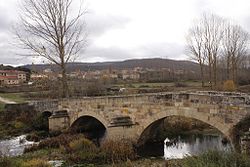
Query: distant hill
155, 63
22, 68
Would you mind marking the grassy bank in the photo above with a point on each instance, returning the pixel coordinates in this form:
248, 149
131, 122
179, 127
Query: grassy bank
75, 150
22, 122
80, 152
1, 106
16, 97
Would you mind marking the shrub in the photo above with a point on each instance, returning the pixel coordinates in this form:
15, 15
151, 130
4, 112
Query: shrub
40, 123
4, 161
82, 144
86, 157
54, 142
19, 125
229, 86
116, 151
37, 136
35, 163
32, 137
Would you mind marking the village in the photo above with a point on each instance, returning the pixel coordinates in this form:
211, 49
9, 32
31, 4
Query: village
138, 74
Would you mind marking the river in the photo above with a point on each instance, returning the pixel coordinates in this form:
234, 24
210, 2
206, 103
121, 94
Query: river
184, 146
14, 146
181, 147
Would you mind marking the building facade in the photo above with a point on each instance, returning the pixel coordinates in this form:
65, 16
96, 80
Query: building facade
12, 77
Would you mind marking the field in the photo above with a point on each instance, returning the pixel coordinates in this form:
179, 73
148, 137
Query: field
161, 84
15, 97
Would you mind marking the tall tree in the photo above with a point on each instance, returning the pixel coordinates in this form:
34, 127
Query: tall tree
235, 49
204, 43
195, 47
49, 30
213, 33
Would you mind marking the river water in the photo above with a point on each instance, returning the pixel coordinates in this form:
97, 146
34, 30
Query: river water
193, 145
184, 146
180, 148
14, 146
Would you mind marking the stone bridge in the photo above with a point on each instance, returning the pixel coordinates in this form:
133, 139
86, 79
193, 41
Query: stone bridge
129, 116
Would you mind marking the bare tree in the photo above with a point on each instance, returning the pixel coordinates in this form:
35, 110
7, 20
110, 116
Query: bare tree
235, 49
213, 33
48, 30
195, 47
204, 43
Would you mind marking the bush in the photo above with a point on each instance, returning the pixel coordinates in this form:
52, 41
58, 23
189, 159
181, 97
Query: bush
82, 144
19, 125
86, 157
35, 163
84, 151
54, 142
229, 86
40, 123
116, 151
4, 161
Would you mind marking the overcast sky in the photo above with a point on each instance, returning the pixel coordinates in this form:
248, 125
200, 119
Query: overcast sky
126, 29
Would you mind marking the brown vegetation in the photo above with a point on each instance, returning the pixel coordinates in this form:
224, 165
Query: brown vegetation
229, 86
78, 149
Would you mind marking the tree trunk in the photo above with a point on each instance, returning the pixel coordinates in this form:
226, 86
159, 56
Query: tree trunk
202, 75
233, 69
210, 72
228, 68
236, 75
65, 88
215, 73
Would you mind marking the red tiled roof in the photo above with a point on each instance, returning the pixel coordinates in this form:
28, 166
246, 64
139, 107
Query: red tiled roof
12, 71
8, 77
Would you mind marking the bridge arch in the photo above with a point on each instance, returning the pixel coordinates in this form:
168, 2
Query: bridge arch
89, 114
47, 113
91, 125
215, 122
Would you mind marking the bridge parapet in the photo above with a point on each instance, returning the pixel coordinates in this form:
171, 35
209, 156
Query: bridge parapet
45, 105
171, 98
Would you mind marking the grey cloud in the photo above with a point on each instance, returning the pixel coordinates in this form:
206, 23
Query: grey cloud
5, 20
160, 50
96, 26
99, 24
107, 54
246, 23
164, 50
202, 6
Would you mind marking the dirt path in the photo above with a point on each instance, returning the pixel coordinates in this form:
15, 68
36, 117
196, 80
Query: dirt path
7, 101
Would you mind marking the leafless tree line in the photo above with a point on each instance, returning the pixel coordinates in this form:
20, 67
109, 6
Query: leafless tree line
214, 41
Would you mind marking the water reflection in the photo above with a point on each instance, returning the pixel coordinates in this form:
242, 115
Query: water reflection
180, 147
14, 146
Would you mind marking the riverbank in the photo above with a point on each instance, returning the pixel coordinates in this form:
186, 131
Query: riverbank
208, 159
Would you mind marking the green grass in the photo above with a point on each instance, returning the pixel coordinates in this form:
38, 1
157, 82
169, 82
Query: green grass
217, 159
158, 84
1, 106
148, 85
16, 97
